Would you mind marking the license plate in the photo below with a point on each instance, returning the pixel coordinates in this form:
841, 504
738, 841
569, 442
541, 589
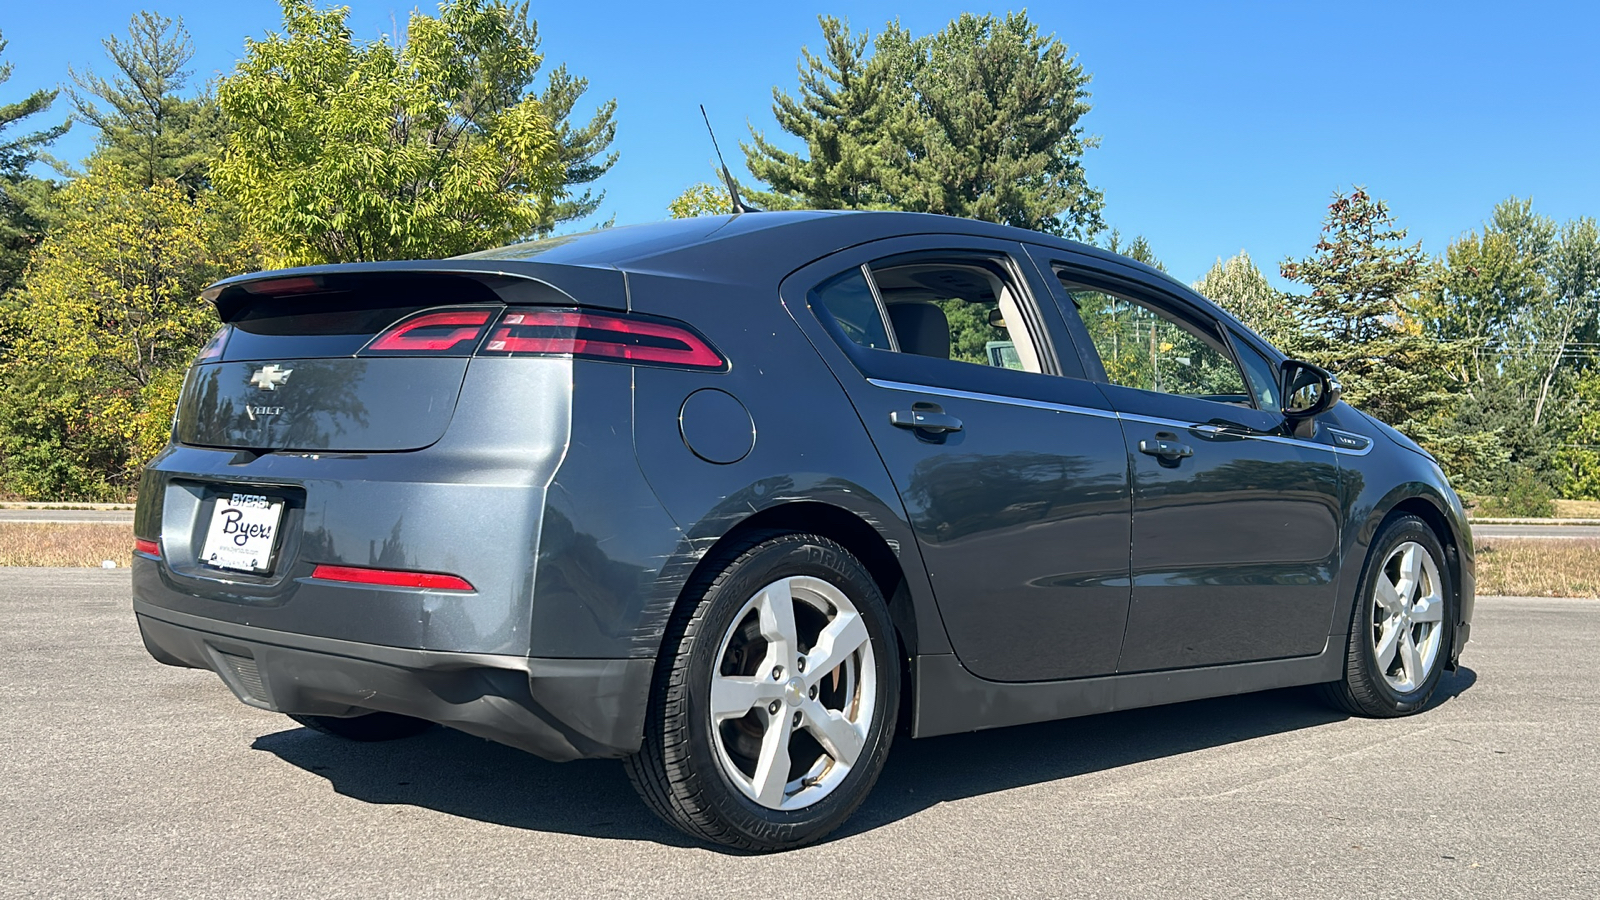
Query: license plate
243, 532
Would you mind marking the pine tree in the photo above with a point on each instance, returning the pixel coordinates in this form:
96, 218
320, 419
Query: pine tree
981, 120
24, 215
147, 127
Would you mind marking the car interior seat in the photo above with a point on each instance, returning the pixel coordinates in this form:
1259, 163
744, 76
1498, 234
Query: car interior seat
921, 328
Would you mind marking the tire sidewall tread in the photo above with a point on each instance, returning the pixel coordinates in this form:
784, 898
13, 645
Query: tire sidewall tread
676, 770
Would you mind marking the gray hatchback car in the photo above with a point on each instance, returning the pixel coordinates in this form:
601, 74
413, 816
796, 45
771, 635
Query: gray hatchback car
736, 499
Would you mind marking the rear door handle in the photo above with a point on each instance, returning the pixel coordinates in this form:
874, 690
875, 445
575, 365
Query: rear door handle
933, 421
1168, 450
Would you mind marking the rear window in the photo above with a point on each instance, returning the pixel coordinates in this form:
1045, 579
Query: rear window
339, 319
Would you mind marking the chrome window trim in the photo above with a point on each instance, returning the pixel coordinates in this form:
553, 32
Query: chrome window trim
1110, 414
991, 398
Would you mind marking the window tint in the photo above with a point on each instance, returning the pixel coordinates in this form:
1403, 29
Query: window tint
1145, 348
1261, 373
848, 299
963, 311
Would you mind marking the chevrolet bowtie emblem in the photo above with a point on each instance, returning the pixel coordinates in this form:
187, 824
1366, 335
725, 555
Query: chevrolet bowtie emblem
268, 378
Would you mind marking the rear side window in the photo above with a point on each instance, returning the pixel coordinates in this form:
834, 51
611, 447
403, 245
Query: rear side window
847, 298
962, 310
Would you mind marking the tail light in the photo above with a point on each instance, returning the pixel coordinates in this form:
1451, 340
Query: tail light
452, 332
604, 336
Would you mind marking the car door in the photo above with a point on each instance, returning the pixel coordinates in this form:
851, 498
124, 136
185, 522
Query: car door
1009, 462
1235, 520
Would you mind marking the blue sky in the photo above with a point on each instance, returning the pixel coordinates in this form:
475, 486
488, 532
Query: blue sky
1224, 126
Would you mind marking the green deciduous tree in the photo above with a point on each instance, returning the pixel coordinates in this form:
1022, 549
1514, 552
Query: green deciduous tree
981, 119
344, 151
146, 126
101, 330
24, 213
702, 199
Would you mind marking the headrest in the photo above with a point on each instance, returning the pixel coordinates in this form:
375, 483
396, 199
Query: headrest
921, 328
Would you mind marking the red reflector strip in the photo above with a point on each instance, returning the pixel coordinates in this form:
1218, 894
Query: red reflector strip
433, 332
595, 335
149, 548
391, 578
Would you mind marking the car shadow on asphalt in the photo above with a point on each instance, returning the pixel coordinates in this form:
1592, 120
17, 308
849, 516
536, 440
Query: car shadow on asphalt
457, 774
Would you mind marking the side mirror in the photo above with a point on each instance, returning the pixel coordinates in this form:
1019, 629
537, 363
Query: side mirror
1307, 390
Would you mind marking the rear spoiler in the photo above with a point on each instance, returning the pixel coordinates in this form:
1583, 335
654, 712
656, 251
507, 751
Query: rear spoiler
519, 283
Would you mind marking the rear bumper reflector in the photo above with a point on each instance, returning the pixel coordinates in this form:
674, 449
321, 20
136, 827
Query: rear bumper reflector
391, 578
148, 548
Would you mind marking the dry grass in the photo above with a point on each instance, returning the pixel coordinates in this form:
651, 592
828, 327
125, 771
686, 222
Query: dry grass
1578, 509
75, 544
1539, 567
1535, 567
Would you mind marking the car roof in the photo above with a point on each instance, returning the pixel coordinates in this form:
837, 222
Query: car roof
775, 242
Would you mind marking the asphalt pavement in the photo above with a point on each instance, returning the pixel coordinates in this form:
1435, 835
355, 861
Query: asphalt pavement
1568, 532
125, 778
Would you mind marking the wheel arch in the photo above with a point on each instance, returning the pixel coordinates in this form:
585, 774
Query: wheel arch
846, 528
1423, 506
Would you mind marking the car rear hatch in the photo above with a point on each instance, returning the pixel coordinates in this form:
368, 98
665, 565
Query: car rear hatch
367, 362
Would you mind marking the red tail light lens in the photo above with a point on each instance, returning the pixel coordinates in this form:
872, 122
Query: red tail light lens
595, 335
148, 548
440, 333
212, 351
391, 578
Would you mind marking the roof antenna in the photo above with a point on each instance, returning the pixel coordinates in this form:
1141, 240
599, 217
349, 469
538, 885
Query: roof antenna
739, 205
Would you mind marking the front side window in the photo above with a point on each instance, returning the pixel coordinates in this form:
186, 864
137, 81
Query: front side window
1263, 375
961, 310
1141, 346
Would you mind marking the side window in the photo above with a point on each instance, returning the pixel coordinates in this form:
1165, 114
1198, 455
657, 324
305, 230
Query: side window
1144, 347
1260, 372
964, 310
849, 300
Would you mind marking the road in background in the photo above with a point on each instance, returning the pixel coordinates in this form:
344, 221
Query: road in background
122, 777
125, 517
68, 516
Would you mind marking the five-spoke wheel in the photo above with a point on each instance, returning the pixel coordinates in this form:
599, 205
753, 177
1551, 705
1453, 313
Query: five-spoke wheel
1402, 626
777, 696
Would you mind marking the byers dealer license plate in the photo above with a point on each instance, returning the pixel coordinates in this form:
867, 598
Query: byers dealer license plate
244, 528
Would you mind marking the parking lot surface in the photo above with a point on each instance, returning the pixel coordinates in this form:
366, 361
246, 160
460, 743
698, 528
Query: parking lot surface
125, 778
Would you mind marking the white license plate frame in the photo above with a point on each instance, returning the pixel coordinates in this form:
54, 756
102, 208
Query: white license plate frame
242, 535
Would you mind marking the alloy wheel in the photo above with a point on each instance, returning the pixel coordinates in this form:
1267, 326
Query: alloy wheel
1407, 617
794, 693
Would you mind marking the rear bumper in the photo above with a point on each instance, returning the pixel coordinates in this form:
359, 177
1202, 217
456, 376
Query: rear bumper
559, 709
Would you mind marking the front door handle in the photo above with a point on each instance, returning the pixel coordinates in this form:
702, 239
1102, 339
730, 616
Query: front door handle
932, 421
1171, 451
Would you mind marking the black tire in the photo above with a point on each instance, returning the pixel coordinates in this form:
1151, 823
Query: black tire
1364, 690
677, 770
377, 726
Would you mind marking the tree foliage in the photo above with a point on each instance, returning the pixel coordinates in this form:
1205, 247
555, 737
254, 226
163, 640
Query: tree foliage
106, 321
702, 199
584, 152
1364, 321
24, 213
344, 151
1359, 319
146, 125
1238, 286
981, 120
